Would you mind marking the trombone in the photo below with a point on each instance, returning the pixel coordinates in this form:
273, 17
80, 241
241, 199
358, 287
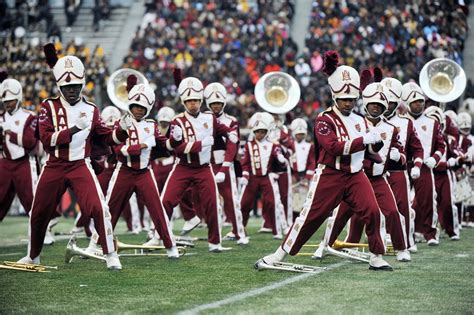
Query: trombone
10, 265
143, 250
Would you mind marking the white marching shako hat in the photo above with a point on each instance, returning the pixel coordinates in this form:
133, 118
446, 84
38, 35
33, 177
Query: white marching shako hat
375, 93
412, 92
142, 95
344, 83
393, 89
69, 70
299, 125
165, 114
215, 93
110, 115
10, 90
465, 120
190, 88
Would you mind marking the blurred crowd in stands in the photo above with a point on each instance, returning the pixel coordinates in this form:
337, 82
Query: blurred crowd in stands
236, 42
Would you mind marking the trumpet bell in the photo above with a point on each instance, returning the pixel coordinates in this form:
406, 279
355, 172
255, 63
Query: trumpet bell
73, 250
442, 80
117, 86
277, 92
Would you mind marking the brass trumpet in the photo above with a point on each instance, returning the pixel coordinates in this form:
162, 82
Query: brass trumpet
143, 250
26, 267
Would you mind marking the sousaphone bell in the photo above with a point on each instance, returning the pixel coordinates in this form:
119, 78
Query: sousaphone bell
277, 92
442, 80
117, 86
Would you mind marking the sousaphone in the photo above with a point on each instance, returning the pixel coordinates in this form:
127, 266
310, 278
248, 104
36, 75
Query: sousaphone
442, 80
117, 86
277, 92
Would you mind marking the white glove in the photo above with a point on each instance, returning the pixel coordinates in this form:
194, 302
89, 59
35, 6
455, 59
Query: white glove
207, 141
430, 162
243, 181
82, 122
415, 172
126, 122
232, 136
394, 154
177, 133
371, 138
220, 177
452, 162
281, 158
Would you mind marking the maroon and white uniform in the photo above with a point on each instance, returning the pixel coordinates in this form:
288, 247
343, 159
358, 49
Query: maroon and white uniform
258, 163
282, 136
376, 172
223, 156
445, 184
68, 166
192, 168
429, 133
134, 174
398, 179
339, 177
18, 171
303, 161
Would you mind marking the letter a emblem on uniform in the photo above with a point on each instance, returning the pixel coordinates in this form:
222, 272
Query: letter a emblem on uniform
60, 112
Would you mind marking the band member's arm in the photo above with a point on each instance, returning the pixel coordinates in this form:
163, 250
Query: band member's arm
48, 135
311, 162
129, 150
413, 145
395, 145
229, 132
106, 135
438, 145
231, 148
327, 138
246, 162
27, 138
286, 141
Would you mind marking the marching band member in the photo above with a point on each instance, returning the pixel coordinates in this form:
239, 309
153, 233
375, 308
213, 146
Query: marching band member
343, 138
398, 179
133, 172
193, 133
223, 156
444, 181
17, 168
429, 133
466, 147
258, 161
303, 159
281, 135
375, 104
67, 127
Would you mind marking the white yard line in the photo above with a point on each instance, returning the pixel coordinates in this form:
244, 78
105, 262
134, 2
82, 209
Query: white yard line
12, 254
258, 291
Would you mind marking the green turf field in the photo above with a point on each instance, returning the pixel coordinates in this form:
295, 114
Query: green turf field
438, 281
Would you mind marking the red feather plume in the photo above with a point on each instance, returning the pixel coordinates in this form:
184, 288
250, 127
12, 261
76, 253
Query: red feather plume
365, 79
331, 62
51, 55
177, 76
131, 82
378, 75
3, 76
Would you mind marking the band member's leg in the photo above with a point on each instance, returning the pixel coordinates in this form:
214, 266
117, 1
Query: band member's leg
147, 189
186, 204
87, 188
325, 193
178, 181
50, 189
25, 181
400, 185
247, 200
355, 230
361, 198
425, 204
342, 215
119, 192
446, 210
228, 191
270, 203
206, 185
